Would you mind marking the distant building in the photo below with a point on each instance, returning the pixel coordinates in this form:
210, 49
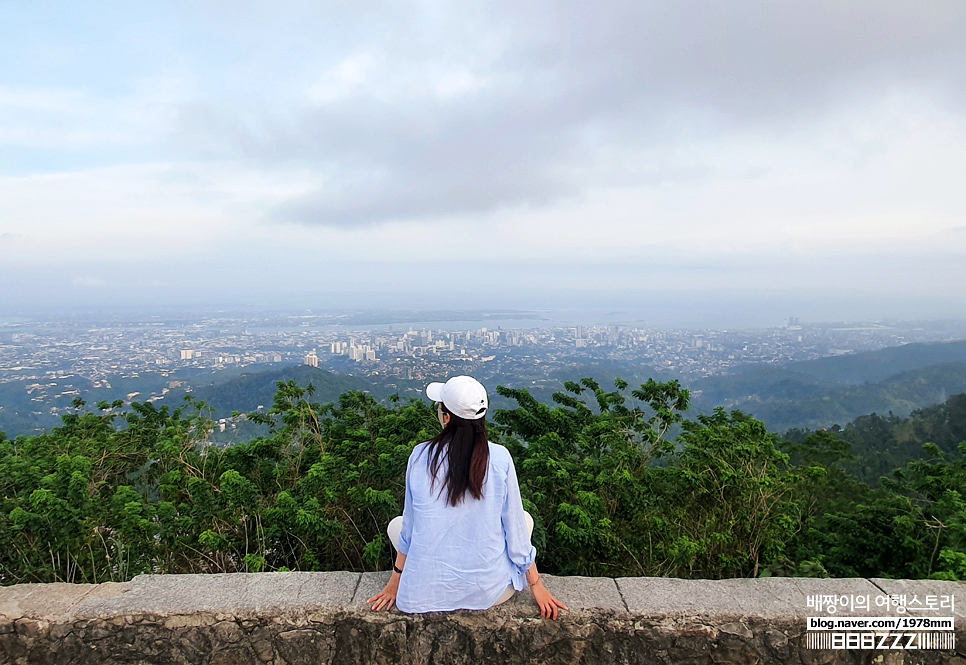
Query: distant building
312, 359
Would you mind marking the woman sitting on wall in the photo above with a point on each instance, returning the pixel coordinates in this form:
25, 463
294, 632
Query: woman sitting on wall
463, 540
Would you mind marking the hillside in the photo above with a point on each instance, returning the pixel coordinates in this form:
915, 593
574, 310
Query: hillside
838, 389
883, 443
873, 366
788, 404
253, 389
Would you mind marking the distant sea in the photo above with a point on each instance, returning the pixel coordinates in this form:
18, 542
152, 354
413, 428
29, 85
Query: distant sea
713, 312
517, 320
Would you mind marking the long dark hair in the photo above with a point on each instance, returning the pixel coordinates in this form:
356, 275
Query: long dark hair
463, 442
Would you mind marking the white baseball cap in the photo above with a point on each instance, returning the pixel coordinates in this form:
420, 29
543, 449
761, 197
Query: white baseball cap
463, 396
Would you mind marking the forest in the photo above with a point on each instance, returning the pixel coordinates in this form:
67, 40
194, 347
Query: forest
618, 481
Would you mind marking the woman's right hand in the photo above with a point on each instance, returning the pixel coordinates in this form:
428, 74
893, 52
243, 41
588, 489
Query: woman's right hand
385, 598
548, 604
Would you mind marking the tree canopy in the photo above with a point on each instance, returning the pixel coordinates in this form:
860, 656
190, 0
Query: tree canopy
618, 482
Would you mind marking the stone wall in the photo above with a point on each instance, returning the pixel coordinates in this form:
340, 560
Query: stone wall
294, 618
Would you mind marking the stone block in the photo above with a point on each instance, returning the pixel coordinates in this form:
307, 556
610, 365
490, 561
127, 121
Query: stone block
12, 597
228, 594
305, 646
54, 602
922, 588
766, 598
369, 585
583, 594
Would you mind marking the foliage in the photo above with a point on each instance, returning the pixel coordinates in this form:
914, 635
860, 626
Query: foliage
728, 498
110, 495
585, 469
113, 493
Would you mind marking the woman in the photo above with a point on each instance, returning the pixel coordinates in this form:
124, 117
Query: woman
463, 538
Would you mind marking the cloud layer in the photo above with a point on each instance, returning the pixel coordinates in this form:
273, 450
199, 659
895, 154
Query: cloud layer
712, 139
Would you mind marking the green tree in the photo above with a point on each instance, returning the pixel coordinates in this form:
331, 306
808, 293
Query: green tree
584, 467
726, 499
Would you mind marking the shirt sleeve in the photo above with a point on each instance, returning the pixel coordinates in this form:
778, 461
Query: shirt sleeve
522, 554
406, 533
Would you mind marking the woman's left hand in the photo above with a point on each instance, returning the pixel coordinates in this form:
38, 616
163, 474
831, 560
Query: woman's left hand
385, 598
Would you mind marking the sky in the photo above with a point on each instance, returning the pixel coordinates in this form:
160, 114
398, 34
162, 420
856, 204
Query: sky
694, 161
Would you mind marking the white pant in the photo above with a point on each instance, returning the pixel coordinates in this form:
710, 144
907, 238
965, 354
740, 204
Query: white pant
395, 528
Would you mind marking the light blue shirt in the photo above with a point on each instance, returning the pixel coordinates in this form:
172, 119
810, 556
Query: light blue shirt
465, 556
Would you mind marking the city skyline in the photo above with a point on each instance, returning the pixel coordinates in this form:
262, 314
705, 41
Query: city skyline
45, 365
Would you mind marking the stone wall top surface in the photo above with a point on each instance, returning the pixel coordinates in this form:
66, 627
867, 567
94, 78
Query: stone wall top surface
244, 595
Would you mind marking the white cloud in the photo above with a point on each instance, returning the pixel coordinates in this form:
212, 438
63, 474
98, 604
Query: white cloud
342, 80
